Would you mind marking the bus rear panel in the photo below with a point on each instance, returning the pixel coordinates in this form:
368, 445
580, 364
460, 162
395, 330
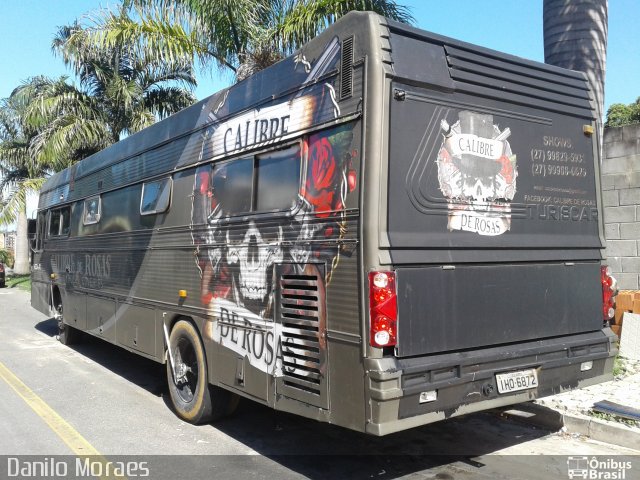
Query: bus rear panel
488, 226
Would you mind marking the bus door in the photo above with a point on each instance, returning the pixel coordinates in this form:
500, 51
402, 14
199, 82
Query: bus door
40, 284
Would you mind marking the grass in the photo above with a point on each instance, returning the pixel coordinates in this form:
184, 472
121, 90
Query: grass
618, 367
614, 418
23, 282
623, 367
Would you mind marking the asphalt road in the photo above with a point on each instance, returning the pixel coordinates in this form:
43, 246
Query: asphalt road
117, 404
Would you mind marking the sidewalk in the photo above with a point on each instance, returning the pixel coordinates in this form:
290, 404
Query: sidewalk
571, 412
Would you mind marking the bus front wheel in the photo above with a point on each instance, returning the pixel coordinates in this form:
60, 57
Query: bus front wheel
67, 335
193, 399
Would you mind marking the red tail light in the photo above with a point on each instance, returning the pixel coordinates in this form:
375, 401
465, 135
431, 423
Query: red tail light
609, 291
383, 309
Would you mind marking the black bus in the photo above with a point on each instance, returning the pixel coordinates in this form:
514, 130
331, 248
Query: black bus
386, 229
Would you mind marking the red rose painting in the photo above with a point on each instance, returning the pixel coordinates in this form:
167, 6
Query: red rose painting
507, 169
321, 177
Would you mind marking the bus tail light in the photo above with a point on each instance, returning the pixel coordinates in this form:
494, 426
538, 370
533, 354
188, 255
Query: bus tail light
383, 309
609, 291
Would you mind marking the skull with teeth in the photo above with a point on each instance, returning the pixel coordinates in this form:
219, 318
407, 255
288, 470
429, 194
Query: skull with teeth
475, 175
255, 255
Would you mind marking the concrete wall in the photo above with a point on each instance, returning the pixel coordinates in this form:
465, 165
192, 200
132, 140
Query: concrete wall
621, 196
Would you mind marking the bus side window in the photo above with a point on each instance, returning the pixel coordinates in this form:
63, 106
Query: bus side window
268, 182
41, 229
232, 184
66, 221
54, 223
59, 222
156, 196
278, 179
92, 210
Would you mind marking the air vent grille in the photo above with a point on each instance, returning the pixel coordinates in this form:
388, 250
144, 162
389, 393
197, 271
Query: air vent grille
299, 314
346, 68
482, 73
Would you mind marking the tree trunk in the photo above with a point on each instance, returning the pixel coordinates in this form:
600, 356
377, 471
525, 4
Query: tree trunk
21, 266
575, 37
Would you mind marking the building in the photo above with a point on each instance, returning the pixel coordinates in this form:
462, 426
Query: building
8, 241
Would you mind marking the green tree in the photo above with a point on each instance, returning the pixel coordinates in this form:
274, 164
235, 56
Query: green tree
241, 36
68, 121
6, 257
620, 114
119, 93
48, 124
22, 169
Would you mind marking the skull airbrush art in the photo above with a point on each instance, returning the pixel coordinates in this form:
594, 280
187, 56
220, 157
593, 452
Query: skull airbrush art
237, 251
241, 250
477, 174
249, 217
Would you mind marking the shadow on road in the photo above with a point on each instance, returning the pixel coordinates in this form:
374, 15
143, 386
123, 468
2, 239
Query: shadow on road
316, 450
48, 327
132, 367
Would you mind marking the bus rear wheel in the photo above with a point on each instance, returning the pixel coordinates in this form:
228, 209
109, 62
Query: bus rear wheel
193, 399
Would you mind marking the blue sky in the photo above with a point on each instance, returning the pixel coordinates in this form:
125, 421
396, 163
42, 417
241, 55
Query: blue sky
512, 26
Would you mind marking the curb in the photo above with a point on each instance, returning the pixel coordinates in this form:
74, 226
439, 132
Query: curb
596, 429
603, 431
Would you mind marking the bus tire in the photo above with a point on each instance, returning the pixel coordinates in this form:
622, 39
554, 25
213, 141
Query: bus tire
67, 335
191, 398
195, 401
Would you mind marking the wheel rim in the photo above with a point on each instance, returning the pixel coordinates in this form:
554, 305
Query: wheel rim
58, 309
185, 353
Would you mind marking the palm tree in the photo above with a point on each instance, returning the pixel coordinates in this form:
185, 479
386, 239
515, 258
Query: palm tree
21, 170
69, 122
575, 37
241, 36
119, 94
47, 125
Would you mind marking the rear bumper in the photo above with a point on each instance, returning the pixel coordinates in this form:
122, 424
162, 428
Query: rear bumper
465, 381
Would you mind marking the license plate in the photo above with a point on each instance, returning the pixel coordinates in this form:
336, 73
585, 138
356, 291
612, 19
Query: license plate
514, 381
